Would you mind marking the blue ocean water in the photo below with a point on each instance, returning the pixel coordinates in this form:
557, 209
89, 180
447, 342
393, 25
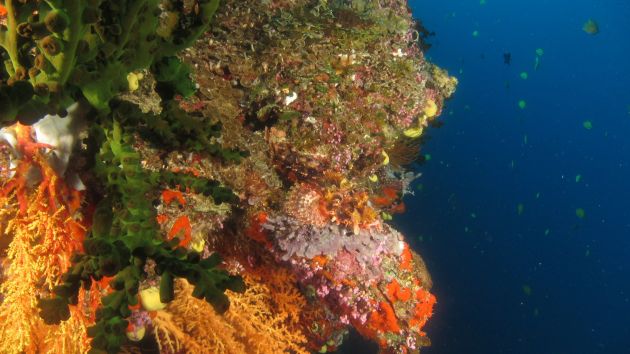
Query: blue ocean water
495, 215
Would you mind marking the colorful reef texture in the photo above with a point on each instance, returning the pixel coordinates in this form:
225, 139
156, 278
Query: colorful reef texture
211, 177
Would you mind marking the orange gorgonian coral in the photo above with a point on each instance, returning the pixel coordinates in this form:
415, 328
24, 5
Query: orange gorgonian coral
253, 324
41, 223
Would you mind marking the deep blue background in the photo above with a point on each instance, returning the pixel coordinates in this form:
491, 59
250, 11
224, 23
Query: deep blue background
483, 255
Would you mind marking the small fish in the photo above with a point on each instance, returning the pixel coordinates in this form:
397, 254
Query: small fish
588, 125
507, 58
520, 208
590, 27
580, 213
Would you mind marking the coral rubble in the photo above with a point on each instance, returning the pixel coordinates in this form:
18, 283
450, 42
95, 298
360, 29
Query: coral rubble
243, 212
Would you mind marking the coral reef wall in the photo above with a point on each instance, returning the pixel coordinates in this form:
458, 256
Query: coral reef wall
287, 161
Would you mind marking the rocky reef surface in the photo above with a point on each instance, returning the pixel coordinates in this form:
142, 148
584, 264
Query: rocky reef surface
245, 211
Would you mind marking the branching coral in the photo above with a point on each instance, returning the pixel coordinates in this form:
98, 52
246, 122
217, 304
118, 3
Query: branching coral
252, 325
41, 224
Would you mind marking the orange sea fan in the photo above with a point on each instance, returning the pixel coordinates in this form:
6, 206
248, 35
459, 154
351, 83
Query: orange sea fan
284, 294
39, 224
252, 324
404, 151
39, 252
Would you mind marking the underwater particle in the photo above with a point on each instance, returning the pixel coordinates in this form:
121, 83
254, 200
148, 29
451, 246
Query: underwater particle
580, 213
512, 164
527, 290
588, 125
578, 178
427, 157
466, 229
473, 215
525, 139
591, 27
524, 75
475, 33
520, 208
587, 253
420, 187
537, 195
536, 312
547, 231
522, 104
539, 54
482, 2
